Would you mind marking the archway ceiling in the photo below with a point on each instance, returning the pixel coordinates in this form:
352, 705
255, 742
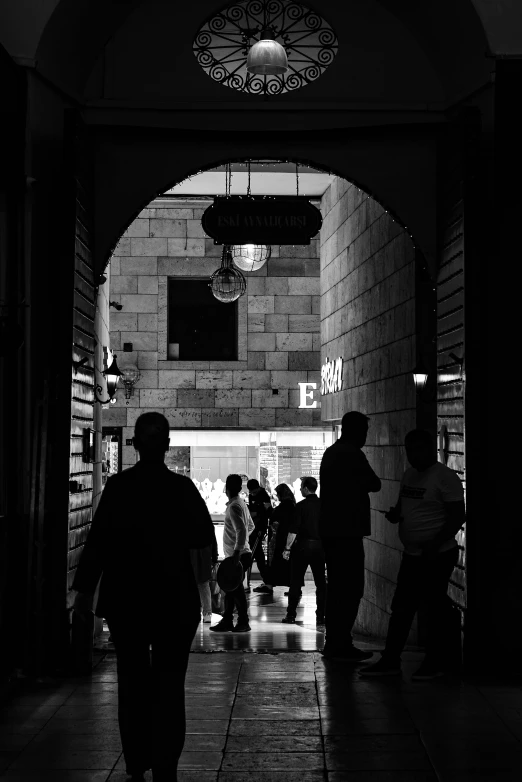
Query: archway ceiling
269, 178
64, 38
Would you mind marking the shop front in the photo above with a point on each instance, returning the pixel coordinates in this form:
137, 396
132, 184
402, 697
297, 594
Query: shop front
272, 457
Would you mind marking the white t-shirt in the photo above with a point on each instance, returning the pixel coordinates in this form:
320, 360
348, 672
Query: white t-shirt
423, 495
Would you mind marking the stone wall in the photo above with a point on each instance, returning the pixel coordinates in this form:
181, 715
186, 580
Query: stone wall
368, 319
279, 325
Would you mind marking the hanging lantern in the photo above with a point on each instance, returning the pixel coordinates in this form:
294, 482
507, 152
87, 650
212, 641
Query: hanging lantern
267, 57
227, 283
250, 257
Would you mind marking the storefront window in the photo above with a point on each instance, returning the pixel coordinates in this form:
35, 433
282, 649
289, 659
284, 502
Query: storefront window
273, 457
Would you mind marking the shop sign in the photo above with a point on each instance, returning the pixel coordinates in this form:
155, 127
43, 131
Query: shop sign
261, 220
304, 394
332, 376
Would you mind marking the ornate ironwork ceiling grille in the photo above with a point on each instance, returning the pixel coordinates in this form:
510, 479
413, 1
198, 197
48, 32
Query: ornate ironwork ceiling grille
222, 43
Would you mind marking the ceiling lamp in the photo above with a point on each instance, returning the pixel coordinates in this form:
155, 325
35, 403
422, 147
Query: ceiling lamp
227, 283
265, 47
267, 57
250, 257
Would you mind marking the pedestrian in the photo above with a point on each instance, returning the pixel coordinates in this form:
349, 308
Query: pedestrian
260, 508
238, 525
430, 511
147, 521
345, 478
304, 542
279, 569
203, 560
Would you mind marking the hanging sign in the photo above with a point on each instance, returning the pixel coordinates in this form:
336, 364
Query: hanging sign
261, 220
332, 376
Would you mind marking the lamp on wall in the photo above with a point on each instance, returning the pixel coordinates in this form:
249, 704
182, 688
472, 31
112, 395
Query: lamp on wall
129, 376
112, 376
250, 257
420, 377
227, 283
459, 361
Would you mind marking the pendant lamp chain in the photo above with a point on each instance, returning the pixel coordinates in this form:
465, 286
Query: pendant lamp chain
297, 179
248, 183
228, 179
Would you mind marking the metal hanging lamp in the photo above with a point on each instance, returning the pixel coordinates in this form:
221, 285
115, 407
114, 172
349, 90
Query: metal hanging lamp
267, 57
250, 257
227, 283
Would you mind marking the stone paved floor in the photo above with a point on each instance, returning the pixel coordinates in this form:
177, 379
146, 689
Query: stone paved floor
277, 716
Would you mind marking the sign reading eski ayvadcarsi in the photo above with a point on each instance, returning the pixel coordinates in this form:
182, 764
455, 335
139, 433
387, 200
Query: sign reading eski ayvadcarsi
261, 220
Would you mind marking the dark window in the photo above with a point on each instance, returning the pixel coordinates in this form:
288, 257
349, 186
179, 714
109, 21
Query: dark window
200, 327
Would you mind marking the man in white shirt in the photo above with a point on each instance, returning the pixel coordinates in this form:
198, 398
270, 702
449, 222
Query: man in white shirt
238, 526
430, 511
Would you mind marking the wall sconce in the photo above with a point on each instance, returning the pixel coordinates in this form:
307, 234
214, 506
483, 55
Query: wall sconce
420, 377
116, 305
112, 375
129, 376
80, 363
457, 360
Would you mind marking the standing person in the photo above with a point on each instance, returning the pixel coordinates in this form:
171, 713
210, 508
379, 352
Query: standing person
346, 478
260, 509
146, 523
203, 560
279, 570
235, 544
305, 542
430, 511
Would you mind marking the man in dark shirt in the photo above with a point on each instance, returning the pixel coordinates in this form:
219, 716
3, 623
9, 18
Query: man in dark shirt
259, 506
139, 543
346, 478
304, 541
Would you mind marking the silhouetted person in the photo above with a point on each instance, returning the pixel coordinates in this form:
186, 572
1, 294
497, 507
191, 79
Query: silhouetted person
203, 559
346, 478
235, 544
146, 523
260, 507
279, 568
430, 511
305, 544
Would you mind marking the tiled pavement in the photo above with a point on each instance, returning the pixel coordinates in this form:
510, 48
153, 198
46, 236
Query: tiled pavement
276, 717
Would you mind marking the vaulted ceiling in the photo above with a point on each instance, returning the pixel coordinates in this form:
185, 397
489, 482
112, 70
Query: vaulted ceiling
140, 50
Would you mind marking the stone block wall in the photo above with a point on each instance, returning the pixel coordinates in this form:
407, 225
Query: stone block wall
279, 330
368, 319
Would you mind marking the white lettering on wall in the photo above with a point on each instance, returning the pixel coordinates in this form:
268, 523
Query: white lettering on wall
304, 394
332, 376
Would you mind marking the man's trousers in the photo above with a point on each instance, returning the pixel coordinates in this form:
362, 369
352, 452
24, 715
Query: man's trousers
345, 573
422, 582
151, 689
305, 553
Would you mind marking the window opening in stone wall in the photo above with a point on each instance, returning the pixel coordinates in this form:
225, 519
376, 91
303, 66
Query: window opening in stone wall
200, 328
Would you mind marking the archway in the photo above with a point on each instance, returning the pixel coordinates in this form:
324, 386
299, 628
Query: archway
370, 290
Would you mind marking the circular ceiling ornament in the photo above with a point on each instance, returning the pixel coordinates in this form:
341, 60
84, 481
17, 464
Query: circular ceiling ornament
223, 44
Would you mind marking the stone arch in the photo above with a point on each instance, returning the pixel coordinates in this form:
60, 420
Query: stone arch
398, 172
